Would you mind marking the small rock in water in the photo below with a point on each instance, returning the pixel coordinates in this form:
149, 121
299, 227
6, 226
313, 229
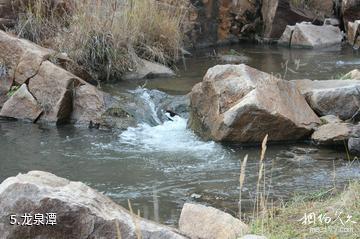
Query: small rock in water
233, 59
196, 196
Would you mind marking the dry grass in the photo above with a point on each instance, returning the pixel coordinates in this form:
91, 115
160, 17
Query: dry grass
284, 221
107, 37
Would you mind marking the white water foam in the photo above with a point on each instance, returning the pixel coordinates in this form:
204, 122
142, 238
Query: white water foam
171, 136
147, 98
354, 62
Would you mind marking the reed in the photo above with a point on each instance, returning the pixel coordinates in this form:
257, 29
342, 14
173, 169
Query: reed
260, 202
241, 181
135, 220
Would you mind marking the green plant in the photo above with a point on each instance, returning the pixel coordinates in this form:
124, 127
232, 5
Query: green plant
12, 91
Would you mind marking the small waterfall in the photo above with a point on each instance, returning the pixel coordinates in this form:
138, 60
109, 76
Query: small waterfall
156, 133
144, 94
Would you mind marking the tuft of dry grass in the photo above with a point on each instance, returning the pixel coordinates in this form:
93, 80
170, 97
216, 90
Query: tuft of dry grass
343, 209
107, 38
241, 181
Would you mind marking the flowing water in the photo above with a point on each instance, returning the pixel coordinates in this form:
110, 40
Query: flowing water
161, 166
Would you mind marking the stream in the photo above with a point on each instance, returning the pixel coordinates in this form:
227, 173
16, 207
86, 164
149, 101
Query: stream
160, 166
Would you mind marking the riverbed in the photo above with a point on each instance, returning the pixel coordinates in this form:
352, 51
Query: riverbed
159, 167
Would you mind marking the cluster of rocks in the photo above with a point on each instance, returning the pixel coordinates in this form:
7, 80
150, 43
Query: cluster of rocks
33, 88
238, 103
82, 212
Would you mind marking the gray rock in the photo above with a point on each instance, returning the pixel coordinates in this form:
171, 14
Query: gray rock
352, 75
93, 106
53, 87
21, 105
353, 32
6, 81
327, 119
81, 212
307, 35
202, 222
332, 97
354, 146
333, 133
241, 104
23, 58
147, 70
276, 14
285, 39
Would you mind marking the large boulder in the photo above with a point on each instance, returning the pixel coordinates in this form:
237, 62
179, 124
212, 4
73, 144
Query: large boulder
202, 222
53, 88
49, 89
21, 58
307, 35
94, 107
81, 212
277, 14
332, 97
22, 105
350, 10
19, 61
239, 103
